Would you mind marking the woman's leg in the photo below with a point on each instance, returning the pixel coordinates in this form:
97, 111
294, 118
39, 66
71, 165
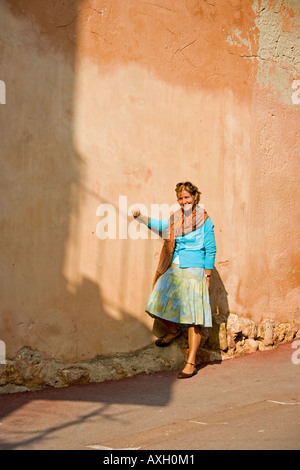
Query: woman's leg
194, 338
172, 327
173, 331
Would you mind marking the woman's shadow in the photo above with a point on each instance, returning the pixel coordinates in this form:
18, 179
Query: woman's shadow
214, 340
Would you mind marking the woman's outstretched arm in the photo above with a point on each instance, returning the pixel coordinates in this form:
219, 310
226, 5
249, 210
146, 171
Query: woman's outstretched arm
157, 225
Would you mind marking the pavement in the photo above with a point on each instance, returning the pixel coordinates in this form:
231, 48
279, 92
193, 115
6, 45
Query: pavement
251, 402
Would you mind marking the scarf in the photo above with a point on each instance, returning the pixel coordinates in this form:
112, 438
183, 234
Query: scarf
179, 226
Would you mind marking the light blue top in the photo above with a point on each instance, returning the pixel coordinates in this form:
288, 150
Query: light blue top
197, 249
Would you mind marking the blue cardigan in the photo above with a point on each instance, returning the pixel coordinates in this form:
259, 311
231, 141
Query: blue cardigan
197, 249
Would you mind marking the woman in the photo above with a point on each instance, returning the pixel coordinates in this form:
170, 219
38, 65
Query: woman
180, 294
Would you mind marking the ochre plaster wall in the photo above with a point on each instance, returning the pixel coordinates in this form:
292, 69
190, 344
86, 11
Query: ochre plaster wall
114, 98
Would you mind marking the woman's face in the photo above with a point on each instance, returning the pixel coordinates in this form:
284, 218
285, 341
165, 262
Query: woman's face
185, 200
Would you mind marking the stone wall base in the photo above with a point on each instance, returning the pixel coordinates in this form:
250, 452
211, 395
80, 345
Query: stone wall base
228, 338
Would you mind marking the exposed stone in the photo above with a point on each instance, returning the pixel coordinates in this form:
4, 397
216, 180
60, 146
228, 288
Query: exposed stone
206, 355
263, 347
247, 346
74, 375
230, 341
266, 331
284, 332
240, 326
27, 354
33, 376
217, 337
121, 372
223, 337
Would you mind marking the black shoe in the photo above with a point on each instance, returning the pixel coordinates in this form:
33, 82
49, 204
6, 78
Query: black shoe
162, 343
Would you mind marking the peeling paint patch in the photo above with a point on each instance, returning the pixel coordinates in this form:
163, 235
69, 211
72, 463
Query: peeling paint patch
278, 24
237, 40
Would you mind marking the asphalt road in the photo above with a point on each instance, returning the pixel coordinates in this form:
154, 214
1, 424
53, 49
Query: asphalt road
250, 402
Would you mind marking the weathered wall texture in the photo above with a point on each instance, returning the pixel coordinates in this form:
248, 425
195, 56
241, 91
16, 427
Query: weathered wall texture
108, 98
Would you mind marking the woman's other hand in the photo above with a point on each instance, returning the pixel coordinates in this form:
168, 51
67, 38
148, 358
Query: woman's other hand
207, 276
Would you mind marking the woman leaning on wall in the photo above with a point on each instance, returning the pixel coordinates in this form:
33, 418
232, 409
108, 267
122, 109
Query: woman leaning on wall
180, 293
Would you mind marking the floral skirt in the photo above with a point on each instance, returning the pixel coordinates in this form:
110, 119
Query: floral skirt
181, 295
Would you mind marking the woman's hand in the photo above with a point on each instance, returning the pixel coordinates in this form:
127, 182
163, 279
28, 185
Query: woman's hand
143, 219
207, 275
136, 213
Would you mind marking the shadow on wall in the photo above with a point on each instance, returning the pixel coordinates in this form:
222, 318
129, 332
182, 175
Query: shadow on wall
42, 189
214, 340
218, 295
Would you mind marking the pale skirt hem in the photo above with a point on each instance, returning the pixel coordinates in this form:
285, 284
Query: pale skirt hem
203, 325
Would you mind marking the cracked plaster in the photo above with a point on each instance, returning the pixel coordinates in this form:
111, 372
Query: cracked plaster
278, 24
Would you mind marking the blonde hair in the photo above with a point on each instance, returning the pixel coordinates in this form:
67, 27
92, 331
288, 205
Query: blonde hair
190, 188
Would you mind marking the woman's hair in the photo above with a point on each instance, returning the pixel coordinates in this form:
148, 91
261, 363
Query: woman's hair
190, 188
